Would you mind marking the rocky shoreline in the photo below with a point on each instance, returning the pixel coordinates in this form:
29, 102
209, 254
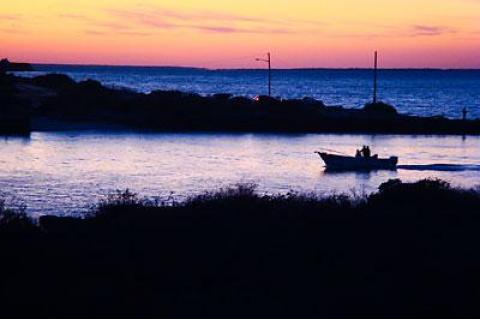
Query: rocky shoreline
7, 66
56, 102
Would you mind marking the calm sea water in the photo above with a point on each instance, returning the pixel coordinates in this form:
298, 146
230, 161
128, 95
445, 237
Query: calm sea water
419, 92
67, 172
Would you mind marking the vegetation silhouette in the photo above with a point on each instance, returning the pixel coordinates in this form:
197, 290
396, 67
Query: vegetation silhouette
409, 250
380, 108
14, 111
58, 98
6, 65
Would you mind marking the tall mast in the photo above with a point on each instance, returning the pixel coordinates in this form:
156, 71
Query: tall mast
269, 61
375, 76
269, 75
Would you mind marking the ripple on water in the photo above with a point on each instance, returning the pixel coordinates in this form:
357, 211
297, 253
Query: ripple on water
64, 173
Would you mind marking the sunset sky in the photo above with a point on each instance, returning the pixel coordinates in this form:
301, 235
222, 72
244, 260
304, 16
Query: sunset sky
230, 33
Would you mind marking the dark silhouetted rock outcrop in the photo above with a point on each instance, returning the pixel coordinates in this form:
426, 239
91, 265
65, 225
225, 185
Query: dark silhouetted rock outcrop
59, 97
6, 66
380, 108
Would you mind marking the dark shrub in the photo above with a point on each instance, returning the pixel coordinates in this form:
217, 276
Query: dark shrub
6, 85
121, 200
234, 251
240, 192
14, 221
427, 197
172, 94
222, 96
91, 85
265, 100
239, 101
395, 186
380, 108
4, 63
392, 184
314, 102
54, 81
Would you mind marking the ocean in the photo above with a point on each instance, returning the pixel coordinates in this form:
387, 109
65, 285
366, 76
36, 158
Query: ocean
68, 172
411, 91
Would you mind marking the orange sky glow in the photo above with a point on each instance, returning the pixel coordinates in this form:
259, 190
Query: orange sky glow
231, 33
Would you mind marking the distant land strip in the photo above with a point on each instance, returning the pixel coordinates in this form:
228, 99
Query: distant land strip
57, 102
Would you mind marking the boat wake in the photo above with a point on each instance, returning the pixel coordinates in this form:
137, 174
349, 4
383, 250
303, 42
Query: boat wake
441, 167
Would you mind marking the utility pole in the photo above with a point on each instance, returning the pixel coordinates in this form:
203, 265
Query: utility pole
375, 76
464, 113
269, 61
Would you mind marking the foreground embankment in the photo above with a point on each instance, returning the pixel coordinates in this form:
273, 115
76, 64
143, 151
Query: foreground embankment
56, 101
407, 251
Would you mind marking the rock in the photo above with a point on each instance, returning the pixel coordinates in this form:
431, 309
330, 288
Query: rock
240, 101
312, 101
91, 85
222, 96
6, 66
54, 81
380, 108
266, 100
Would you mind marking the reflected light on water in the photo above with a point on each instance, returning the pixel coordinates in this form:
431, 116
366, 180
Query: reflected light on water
64, 172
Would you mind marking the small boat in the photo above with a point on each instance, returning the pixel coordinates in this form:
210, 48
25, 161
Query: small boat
357, 163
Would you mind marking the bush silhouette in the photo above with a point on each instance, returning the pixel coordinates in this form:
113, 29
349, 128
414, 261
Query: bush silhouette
380, 108
409, 250
90, 101
15, 222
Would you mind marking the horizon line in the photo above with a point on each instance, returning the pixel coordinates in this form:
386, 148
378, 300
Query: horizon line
246, 69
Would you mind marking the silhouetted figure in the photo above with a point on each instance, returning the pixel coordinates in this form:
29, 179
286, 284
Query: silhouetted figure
368, 153
358, 154
464, 113
365, 152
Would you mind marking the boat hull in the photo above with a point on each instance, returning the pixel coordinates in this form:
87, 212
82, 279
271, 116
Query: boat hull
345, 163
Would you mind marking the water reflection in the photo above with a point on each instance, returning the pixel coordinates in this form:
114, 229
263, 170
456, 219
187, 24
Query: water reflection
447, 91
55, 172
15, 138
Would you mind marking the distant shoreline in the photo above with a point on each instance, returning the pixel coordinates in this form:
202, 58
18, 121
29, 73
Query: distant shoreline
60, 102
7, 66
243, 69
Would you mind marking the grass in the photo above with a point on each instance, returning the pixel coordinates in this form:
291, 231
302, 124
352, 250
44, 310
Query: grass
15, 221
409, 250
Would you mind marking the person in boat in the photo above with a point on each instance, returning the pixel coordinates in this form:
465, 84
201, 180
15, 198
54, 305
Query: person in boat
365, 152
